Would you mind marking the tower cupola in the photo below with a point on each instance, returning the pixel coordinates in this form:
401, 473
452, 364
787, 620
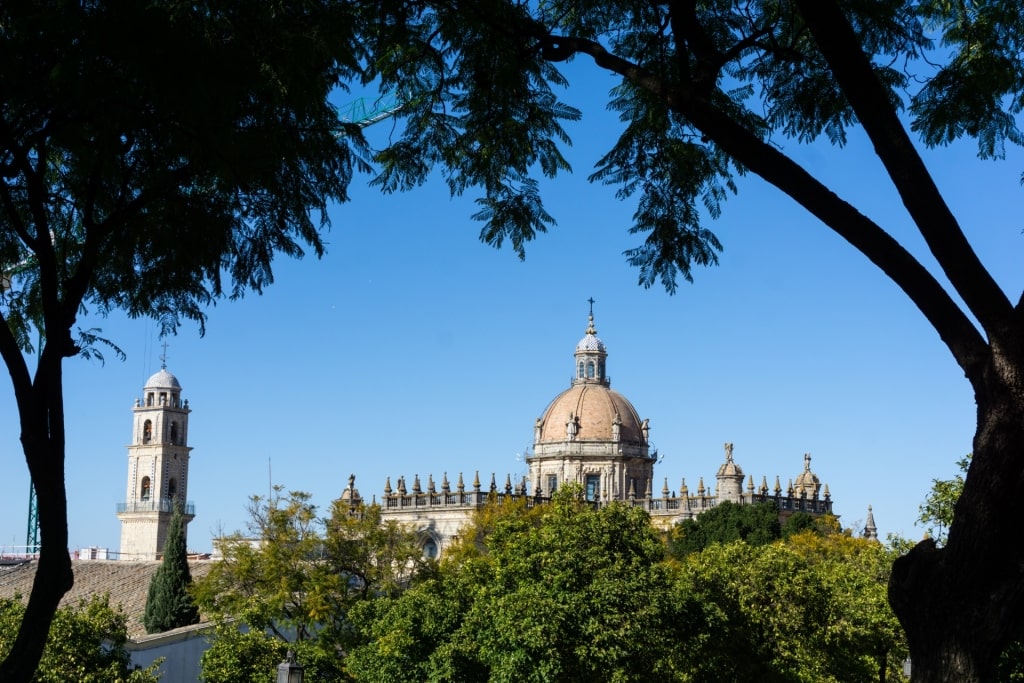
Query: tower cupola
590, 356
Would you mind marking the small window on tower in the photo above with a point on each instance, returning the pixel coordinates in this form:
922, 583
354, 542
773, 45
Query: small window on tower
163, 398
174, 433
149, 399
172, 488
144, 491
147, 431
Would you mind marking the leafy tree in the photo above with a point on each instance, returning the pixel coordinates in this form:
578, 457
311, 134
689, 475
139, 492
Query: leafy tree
169, 604
797, 523
936, 512
706, 91
418, 635
293, 580
154, 157
86, 644
724, 523
582, 594
142, 166
237, 656
812, 609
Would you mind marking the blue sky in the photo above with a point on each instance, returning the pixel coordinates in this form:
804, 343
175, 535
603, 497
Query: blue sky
412, 348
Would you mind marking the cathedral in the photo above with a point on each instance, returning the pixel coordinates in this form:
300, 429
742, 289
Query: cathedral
591, 435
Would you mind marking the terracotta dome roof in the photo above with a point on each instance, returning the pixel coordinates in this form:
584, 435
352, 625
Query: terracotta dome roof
162, 380
595, 407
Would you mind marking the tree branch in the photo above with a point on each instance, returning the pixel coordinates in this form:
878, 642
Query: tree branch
954, 327
16, 365
870, 101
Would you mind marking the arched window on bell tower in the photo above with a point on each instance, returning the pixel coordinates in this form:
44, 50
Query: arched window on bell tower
147, 431
174, 433
172, 488
144, 489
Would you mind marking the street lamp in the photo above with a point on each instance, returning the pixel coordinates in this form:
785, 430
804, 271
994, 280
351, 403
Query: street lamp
289, 670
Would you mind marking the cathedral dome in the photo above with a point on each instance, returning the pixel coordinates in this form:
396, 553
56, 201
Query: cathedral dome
596, 411
162, 380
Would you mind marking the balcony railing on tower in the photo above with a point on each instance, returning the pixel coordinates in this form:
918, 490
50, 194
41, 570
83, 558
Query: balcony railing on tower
162, 505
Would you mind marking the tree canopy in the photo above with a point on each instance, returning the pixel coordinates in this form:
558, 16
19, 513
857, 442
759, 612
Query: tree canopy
936, 512
86, 643
154, 158
567, 592
292, 580
158, 168
707, 91
727, 521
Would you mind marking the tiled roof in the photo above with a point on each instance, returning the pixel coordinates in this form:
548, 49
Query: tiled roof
127, 583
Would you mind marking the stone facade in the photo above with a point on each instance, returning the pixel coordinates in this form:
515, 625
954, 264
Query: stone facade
592, 436
158, 459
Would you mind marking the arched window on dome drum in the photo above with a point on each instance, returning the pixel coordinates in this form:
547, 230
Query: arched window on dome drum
172, 488
147, 431
580, 371
590, 369
144, 489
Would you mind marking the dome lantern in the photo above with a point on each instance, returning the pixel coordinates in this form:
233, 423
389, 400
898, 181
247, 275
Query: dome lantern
590, 355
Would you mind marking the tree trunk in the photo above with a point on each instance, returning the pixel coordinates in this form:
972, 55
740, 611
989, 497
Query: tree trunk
962, 604
42, 437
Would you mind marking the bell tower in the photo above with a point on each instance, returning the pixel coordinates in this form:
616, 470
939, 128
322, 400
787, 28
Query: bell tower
158, 459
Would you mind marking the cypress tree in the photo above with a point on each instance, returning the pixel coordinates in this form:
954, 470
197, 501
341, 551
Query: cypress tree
169, 604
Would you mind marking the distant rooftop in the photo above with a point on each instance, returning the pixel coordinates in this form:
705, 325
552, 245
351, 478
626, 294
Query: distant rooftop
127, 583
